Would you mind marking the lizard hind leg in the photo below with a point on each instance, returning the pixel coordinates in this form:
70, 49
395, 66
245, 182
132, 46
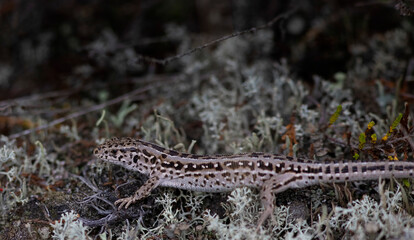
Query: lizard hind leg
274, 185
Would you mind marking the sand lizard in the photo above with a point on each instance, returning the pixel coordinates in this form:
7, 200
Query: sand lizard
271, 173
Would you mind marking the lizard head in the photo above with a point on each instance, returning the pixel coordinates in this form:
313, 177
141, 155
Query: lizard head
126, 152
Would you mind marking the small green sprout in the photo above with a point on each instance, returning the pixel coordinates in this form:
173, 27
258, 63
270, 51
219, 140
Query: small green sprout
406, 183
393, 127
101, 118
356, 156
335, 116
370, 125
362, 140
374, 138
396, 122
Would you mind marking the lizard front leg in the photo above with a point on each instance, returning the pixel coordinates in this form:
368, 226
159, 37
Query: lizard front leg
274, 185
141, 193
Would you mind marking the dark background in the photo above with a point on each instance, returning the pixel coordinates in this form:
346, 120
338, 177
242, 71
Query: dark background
44, 43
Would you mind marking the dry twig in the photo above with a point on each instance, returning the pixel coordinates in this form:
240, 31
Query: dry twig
85, 111
165, 61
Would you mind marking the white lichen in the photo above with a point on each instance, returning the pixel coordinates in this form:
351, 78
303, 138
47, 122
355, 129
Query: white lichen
367, 217
69, 227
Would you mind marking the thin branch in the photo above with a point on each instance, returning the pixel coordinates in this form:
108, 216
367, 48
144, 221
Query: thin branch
37, 97
31, 103
27, 101
165, 61
85, 111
